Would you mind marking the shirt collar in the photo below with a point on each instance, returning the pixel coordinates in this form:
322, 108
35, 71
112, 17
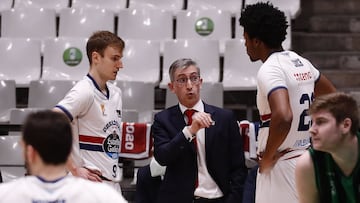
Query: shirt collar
199, 106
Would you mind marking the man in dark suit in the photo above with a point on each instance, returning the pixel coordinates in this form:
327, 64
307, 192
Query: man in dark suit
203, 151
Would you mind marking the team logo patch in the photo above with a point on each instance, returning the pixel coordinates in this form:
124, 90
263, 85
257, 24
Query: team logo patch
72, 56
112, 145
204, 26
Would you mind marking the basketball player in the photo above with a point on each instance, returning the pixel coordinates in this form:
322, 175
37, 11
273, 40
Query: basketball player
94, 107
47, 143
329, 171
287, 85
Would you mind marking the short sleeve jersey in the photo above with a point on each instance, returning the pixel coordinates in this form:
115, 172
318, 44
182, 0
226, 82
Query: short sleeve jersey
67, 189
288, 70
96, 120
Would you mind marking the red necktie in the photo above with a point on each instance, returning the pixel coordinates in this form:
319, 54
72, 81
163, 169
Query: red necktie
189, 113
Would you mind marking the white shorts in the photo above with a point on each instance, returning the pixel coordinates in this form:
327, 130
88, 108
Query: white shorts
279, 185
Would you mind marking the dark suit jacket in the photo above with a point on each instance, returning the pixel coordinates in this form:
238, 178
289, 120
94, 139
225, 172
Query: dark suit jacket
224, 155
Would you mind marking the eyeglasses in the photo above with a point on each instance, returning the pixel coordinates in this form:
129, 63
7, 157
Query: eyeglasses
195, 79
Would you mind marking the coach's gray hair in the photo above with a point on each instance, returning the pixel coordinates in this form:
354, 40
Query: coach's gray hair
181, 63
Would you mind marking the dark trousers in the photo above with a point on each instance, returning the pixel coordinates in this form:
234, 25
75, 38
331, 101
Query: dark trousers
250, 186
147, 187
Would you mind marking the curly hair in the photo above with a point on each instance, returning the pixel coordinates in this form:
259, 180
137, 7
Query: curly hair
265, 22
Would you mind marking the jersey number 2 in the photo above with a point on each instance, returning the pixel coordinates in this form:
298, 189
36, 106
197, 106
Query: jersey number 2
305, 98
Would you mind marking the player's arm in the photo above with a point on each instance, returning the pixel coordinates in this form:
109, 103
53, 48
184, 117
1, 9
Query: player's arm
79, 170
305, 180
281, 118
323, 86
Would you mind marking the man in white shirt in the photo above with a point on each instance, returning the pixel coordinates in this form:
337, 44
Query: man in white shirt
47, 143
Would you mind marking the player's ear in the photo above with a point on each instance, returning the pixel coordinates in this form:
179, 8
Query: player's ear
346, 125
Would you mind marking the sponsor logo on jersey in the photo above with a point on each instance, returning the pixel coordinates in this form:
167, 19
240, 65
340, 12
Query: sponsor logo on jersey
303, 76
118, 112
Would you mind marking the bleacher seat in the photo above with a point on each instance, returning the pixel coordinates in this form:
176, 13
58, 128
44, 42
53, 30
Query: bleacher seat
49, 4
211, 93
5, 5
65, 59
45, 94
292, 6
204, 51
141, 61
35, 23
12, 164
204, 24
82, 22
234, 6
149, 24
138, 96
8, 99
239, 30
239, 71
111, 5
173, 5
20, 60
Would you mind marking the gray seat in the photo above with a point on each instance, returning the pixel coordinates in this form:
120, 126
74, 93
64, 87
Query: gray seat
139, 96
8, 99
52, 4
12, 164
20, 60
83, 21
29, 22
211, 93
47, 93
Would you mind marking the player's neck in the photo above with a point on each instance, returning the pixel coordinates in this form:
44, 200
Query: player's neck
50, 172
346, 156
99, 81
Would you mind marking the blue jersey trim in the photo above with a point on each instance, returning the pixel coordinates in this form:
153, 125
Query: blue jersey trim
97, 86
275, 88
68, 114
91, 147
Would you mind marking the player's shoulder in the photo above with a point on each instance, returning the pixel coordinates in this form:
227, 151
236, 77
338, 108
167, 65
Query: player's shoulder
101, 191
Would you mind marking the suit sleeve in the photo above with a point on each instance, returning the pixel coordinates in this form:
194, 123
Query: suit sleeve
170, 144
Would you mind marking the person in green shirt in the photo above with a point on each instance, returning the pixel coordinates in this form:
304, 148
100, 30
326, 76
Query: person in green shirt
329, 171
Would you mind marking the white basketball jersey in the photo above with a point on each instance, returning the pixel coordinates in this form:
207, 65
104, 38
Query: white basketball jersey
96, 120
67, 189
288, 70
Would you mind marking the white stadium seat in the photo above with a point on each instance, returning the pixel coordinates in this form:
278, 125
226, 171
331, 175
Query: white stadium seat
20, 60
45, 94
5, 5
12, 164
35, 23
204, 24
112, 5
148, 24
239, 71
138, 96
49, 4
8, 99
141, 61
172, 5
82, 22
204, 51
234, 6
65, 59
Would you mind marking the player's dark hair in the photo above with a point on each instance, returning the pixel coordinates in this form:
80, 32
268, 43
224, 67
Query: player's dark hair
264, 22
50, 134
100, 40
